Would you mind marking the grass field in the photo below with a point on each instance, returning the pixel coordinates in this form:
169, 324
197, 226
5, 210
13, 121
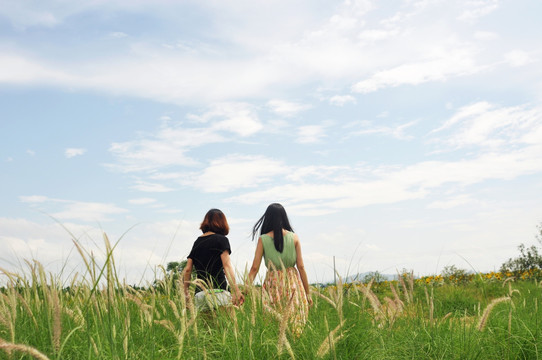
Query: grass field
483, 316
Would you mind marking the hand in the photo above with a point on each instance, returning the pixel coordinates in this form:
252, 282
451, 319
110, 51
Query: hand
309, 300
238, 299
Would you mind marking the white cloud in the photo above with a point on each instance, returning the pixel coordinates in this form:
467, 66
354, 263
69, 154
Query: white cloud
142, 201
341, 100
459, 63
30, 152
88, 211
485, 35
17, 69
476, 9
74, 210
377, 35
286, 108
335, 45
517, 58
150, 187
483, 124
310, 134
398, 184
117, 35
368, 128
169, 146
33, 199
510, 137
235, 172
459, 200
238, 118
73, 152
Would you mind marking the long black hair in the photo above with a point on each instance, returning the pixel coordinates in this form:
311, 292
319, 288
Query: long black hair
274, 219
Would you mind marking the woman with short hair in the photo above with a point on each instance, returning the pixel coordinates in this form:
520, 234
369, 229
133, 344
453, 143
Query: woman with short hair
210, 257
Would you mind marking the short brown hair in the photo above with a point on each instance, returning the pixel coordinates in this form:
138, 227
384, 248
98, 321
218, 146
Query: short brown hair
215, 221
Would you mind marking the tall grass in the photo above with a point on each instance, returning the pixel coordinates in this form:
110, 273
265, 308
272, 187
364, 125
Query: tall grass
99, 317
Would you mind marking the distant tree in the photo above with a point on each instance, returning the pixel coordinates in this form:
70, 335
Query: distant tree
176, 266
375, 276
529, 257
453, 274
174, 270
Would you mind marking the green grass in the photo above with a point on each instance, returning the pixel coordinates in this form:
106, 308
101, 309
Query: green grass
100, 318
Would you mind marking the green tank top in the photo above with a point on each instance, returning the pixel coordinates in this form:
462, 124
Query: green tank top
287, 258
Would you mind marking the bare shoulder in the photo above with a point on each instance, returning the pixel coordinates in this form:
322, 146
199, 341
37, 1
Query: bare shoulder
296, 238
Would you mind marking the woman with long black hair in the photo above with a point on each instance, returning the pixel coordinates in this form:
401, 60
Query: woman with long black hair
286, 281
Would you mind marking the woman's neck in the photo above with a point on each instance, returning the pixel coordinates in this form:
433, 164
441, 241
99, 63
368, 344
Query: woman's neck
208, 233
272, 233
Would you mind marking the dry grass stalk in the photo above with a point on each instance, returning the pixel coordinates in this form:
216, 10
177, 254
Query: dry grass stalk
5, 314
403, 286
369, 286
10, 347
411, 286
430, 303
373, 300
485, 315
331, 302
76, 315
4, 321
445, 318
391, 310
146, 309
94, 347
8, 314
25, 305
273, 312
431, 306
57, 320
398, 302
512, 291
330, 341
167, 324
173, 307
126, 332
283, 341
338, 297
510, 279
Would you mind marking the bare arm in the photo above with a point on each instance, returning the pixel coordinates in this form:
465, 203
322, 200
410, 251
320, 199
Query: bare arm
187, 275
301, 268
256, 262
238, 298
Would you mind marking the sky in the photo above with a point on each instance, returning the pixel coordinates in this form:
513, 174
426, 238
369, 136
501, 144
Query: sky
398, 135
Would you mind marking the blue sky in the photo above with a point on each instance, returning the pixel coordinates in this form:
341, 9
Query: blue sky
398, 134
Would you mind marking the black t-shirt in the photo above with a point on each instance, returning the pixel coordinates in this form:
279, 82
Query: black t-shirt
205, 256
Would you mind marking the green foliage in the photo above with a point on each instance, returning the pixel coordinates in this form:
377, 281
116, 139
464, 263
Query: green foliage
99, 317
172, 276
529, 258
438, 322
453, 275
176, 266
375, 276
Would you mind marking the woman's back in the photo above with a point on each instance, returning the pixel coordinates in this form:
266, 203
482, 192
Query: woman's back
205, 254
275, 258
